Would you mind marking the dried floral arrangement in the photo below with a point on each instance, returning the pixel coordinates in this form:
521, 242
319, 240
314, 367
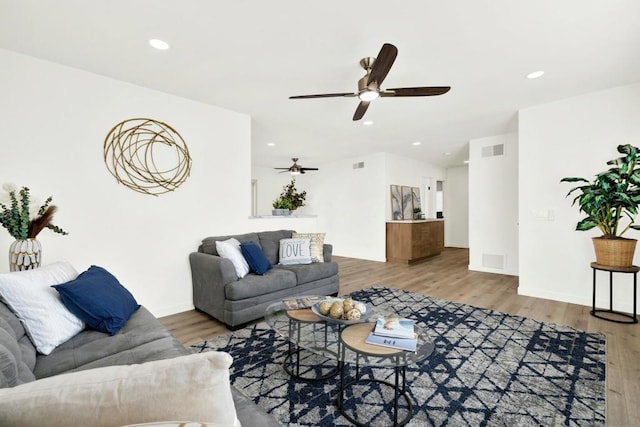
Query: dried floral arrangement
18, 219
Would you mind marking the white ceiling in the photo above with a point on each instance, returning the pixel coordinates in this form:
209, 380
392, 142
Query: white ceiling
250, 56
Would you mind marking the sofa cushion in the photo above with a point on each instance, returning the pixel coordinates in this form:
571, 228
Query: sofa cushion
98, 299
306, 273
257, 260
317, 244
30, 296
295, 251
254, 285
10, 323
208, 245
143, 338
9, 359
270, 243
230, 249
192, 387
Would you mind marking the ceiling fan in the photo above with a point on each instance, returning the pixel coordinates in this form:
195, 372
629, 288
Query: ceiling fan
369, 85
295, 168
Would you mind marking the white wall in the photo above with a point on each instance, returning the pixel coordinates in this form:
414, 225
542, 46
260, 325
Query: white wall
350, 206
456, 207
54, 121
493, 206
409, 172
271, 183
572, 137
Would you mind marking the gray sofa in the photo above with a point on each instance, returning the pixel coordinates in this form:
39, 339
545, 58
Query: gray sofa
142, 339
218, 292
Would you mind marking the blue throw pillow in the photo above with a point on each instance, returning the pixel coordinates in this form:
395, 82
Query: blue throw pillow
257, 260
97, 298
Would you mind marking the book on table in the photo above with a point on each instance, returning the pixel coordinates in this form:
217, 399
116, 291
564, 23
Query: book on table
394, 327
409, 344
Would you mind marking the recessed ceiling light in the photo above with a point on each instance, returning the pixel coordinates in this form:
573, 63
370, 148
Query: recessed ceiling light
159, 44
416, 143
535, 74
367, 122
271, 144
446, 154
466, 162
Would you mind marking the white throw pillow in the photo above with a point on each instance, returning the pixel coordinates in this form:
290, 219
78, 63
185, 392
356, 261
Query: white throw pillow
38, 306
230, 249
193, 387
295, 251
317, 244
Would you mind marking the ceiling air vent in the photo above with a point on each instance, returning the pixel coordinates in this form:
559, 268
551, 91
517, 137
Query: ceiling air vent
493, 150
358, 165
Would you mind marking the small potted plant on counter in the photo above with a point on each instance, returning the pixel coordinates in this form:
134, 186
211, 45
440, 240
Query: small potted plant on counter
281, 207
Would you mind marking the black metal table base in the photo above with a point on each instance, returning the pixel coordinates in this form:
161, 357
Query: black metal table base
399, 390
293, 358
293, 355
595, 311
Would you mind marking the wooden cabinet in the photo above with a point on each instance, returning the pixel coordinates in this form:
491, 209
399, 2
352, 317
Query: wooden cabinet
413, 241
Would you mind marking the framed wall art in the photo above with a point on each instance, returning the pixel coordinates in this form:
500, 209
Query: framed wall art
396, 202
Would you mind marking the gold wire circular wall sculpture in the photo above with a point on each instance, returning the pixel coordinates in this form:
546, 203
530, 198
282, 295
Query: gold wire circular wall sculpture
147, 156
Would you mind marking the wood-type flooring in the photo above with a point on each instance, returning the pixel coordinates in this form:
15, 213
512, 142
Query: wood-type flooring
447, 276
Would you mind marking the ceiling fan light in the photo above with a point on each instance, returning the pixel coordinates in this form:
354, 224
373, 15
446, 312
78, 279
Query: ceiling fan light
368, 95
295, 172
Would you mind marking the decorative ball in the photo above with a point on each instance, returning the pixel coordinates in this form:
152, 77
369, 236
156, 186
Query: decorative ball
324, 307
353, 314
361, 307
348, 304
336, 310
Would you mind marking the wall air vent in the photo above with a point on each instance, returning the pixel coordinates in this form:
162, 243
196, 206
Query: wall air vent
358, 165
493, 261
493, 150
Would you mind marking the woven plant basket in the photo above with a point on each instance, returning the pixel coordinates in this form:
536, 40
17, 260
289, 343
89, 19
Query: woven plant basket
614, 252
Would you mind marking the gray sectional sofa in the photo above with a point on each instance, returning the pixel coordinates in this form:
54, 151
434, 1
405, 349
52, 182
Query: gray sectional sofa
142, 339
219, 292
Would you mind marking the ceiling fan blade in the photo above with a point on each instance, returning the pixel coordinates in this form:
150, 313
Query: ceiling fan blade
308, 169
382, 65
362, 108
416, 91
283, 168
324, 95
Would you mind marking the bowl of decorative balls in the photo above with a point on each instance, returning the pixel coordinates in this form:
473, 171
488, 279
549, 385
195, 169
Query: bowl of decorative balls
342, 310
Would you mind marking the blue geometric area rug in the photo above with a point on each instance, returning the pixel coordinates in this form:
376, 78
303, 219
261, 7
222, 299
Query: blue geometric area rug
487, 369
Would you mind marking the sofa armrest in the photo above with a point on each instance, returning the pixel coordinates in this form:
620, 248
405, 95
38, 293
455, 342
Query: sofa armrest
209, 275
327, 252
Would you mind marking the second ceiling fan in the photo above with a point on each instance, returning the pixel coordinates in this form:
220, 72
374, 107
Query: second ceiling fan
369, 85
295, 168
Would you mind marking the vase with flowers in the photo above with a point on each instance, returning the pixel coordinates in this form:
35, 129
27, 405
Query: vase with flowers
24, 223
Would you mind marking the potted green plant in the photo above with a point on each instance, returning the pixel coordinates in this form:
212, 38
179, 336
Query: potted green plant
281, 207
610, 202
24, 223
291, 194
290, 199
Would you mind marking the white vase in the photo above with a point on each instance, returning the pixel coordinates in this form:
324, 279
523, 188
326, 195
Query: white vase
24, 255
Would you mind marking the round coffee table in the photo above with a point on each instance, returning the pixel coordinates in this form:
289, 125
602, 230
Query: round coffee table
307, 333
354, 350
